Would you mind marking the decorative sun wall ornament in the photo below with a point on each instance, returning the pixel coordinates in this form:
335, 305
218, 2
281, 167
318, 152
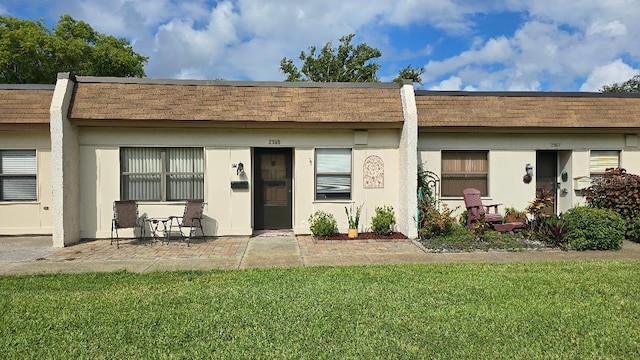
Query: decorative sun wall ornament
373, 172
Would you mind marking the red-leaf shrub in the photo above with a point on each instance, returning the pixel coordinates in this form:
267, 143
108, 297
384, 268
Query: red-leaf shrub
619, 191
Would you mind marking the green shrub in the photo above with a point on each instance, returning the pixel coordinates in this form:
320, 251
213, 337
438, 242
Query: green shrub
322, 223
594, 229
619, 191
463, 218
384, 222
633, 230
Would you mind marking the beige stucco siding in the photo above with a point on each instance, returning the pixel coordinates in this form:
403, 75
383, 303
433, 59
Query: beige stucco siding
509, 153
305, 204
230, 211
29, 217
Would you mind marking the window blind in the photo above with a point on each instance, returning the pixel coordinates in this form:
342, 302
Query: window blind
333, 173
601, 160
18, 181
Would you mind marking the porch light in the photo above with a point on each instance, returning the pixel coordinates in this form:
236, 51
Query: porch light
528, 176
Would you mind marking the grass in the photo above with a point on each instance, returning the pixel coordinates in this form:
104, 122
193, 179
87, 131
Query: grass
565, 310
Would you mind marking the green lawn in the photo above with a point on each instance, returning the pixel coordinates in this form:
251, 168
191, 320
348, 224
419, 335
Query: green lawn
568, 310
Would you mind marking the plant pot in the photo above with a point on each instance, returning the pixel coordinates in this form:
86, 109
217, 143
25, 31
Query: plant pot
352, 233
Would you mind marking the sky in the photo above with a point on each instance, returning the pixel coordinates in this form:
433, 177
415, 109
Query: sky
473, 45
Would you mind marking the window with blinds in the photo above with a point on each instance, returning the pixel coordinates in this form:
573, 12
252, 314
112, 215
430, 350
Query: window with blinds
161, 174
18, 169
601, 160
333, 174
464, 169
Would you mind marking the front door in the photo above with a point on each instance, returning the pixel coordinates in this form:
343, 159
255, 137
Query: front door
272, 190
547, 175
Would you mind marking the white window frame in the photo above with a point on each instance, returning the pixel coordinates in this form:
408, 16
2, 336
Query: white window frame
323, 168
19, 168
162, 174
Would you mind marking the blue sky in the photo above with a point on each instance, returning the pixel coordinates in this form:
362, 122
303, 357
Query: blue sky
539, 45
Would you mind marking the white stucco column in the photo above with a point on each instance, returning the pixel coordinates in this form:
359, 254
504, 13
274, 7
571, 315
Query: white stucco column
408, 163
65, 166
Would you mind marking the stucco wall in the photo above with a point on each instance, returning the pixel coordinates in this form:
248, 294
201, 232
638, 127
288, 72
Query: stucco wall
29, 217
230, 211
509, 153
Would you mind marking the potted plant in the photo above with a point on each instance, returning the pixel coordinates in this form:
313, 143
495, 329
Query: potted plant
513, 215
354, 220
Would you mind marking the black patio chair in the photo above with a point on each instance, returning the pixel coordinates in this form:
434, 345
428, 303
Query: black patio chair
191, 218
125, 215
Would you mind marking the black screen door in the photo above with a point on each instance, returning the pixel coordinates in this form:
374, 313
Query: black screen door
272, 191
547, 175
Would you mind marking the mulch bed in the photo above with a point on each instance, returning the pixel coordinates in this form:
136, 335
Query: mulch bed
363, 236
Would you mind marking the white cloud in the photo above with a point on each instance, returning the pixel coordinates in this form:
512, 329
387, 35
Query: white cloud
493, 51
614, 72
556, 45
452, 83
613, 28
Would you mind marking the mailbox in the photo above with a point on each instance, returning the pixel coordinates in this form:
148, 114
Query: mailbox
581, 182
239, 184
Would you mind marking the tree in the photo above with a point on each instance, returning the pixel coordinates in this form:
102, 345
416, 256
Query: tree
31, 53
410, 73
346, 63
630, 86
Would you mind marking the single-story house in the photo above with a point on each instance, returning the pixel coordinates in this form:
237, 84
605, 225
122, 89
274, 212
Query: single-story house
266, 155
262, 155
25, 160
487, 140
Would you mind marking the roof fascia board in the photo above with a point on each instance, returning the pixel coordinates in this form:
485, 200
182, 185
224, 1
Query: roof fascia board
149, 81
526, 94
27, 87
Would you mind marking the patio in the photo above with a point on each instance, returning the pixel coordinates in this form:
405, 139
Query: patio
35, 255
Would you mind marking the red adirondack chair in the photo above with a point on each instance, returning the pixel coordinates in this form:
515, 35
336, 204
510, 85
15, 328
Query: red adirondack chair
476, 210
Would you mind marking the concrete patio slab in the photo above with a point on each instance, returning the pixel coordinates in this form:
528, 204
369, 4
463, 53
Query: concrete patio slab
16, 248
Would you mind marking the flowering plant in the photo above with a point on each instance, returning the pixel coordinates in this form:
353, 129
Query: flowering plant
434, 222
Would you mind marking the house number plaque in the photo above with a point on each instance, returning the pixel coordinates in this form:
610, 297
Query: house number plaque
274, 141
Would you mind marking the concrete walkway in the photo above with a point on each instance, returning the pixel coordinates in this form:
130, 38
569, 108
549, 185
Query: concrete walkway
34, 255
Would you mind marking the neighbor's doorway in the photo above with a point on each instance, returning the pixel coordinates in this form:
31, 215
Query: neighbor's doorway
547, 176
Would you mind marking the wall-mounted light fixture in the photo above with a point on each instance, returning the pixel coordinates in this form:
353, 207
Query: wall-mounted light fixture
240, 169
528, 176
